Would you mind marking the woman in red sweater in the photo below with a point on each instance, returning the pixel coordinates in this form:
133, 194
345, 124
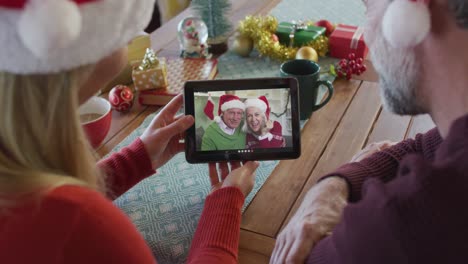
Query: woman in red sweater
261, 131
55, 202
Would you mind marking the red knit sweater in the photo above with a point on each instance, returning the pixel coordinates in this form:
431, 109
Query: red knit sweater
275, 139
72, 224
408, 204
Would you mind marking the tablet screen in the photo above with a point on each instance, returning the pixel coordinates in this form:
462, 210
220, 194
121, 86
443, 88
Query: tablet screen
246, 122
252, 120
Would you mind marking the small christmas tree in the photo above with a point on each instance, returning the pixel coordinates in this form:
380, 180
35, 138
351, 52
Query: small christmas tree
213, 13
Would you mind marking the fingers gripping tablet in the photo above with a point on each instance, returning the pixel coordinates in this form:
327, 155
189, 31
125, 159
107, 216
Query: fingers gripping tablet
249, 119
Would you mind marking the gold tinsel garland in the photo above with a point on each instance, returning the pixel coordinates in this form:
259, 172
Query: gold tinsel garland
261, 30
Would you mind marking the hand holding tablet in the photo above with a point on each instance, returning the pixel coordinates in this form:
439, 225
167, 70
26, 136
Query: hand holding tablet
233, 175
240, 120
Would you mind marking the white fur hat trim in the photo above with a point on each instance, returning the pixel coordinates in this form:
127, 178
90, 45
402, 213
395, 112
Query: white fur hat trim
85, 33
47, 25
232, 104
406, 23
256, 103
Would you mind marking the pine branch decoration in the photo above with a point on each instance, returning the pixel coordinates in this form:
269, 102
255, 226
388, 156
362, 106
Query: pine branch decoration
214, 14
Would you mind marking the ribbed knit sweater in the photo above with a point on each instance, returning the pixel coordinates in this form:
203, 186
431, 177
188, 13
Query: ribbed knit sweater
408, 204
73, 224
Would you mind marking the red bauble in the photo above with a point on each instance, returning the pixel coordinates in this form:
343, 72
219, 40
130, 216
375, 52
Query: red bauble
121, 98
327, 25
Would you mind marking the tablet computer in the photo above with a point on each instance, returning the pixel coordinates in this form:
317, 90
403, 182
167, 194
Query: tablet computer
241, 120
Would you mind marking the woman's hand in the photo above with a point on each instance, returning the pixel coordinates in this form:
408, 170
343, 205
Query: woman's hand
161, 138
242, 177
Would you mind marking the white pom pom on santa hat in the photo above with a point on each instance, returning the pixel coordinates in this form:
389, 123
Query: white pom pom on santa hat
49, 25
406, 23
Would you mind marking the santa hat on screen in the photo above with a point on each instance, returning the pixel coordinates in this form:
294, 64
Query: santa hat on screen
260, 103
228, 101
406, 23
44, 36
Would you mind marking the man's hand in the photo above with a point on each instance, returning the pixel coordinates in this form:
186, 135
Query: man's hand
318, 214
371, 149
242, 177
161, 138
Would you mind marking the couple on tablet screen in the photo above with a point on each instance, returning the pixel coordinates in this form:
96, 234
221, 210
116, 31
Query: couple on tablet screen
257, 131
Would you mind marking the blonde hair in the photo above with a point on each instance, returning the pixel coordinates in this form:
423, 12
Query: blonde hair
246, 128
42, 144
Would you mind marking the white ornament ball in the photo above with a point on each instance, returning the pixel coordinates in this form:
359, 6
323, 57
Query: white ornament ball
406, 23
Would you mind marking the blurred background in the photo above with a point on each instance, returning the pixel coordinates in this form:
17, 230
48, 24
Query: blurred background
164, 10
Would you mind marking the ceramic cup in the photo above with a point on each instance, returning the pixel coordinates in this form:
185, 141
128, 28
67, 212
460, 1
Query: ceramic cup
307, 74
96, 116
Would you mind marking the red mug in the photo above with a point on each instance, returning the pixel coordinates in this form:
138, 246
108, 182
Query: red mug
96, 116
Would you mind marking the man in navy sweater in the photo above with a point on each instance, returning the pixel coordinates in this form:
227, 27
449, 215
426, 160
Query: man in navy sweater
405, 203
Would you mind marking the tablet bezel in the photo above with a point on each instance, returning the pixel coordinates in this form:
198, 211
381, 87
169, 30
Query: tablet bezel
194, 156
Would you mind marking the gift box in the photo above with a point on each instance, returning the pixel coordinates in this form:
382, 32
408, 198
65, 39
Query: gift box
136, 52
303, 34
151, 73
347, 39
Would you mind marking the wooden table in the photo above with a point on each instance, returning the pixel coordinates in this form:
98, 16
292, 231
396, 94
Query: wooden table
353, 118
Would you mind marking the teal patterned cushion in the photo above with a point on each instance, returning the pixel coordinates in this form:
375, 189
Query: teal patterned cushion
166, 206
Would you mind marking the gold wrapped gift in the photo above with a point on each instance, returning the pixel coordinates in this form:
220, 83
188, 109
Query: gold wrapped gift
151, 73
136, 51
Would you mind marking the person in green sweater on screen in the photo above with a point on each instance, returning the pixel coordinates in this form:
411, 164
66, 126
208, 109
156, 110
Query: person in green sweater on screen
225, 132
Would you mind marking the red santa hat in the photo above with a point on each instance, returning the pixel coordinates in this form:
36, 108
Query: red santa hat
406, 23
260, 103
45, 36
228, 101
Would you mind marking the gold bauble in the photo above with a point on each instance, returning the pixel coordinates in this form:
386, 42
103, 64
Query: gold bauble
307, 53
242, 46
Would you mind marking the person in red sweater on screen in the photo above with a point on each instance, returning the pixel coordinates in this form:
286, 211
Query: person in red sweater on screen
407, 201
261, 131
55, 203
